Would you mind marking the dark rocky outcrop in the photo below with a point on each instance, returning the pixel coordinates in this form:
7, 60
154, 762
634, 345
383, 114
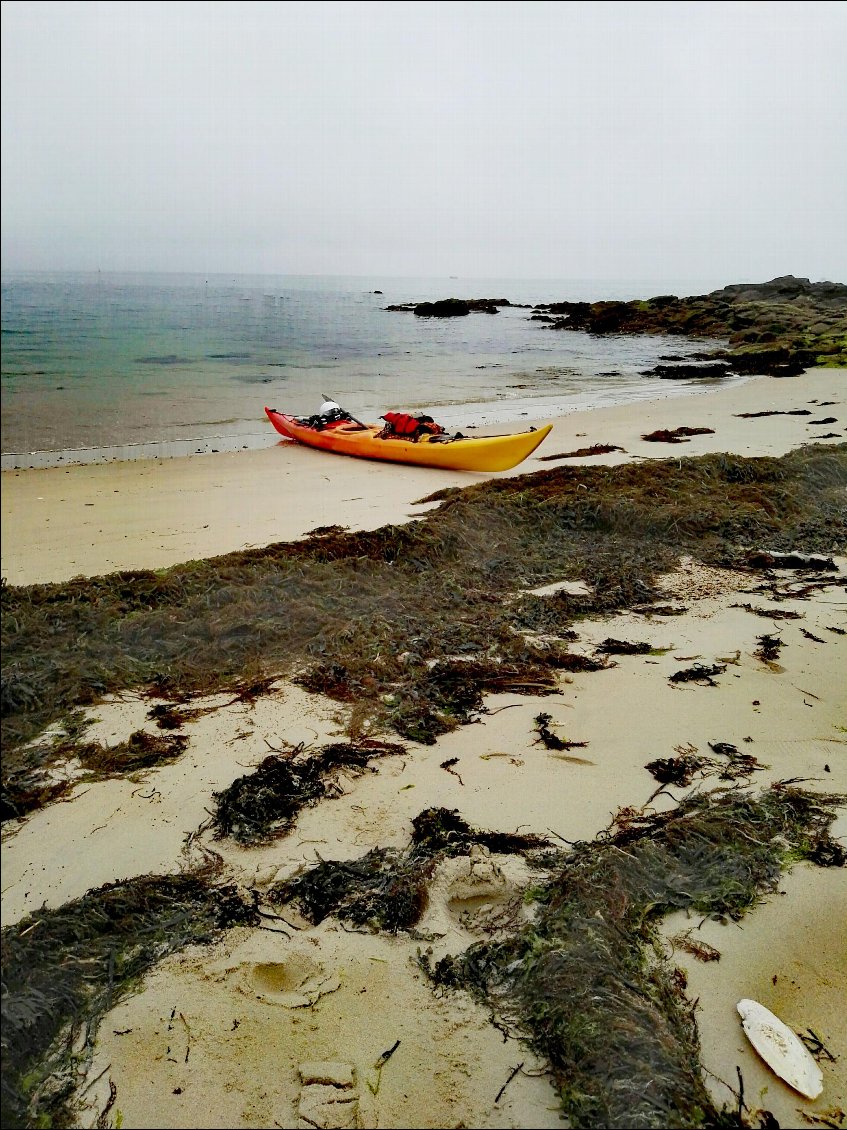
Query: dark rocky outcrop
779, 327
452, 307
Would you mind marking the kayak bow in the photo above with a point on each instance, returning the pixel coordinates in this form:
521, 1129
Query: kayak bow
468, 453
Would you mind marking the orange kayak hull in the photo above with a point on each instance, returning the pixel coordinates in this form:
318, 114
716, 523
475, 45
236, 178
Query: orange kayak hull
470, 453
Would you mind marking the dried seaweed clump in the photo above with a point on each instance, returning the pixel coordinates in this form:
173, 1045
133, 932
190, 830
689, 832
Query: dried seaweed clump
264, 804
585, 981
36, 780
64, 969
354, 603
611, 646
386, 889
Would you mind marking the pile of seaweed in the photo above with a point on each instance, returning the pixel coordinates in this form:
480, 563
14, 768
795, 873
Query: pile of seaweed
263, 805
411, 625
387, 888
587, 984
64, 969
27, 787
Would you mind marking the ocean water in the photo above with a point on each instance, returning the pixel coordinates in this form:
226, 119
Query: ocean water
100, 366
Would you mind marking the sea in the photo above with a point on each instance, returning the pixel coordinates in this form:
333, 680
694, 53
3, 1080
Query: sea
101, 366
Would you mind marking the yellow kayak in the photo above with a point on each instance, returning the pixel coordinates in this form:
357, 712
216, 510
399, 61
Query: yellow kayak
468, 453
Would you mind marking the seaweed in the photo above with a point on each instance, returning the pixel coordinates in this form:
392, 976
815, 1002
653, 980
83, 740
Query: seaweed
369, 617
263, 805
676, 435
682, 769
386, 889
769, 648
548, 738
698, 673
37, 778
587, 983
581, 452
611, 646
63, 969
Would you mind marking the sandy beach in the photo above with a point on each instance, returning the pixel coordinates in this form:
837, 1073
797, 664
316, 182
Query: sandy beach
62, 522
289, 1024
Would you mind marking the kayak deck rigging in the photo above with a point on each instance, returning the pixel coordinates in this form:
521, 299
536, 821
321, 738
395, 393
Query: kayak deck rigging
370, 441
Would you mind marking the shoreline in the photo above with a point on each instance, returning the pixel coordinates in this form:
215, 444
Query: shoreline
92, 519
508, 413
260, 1005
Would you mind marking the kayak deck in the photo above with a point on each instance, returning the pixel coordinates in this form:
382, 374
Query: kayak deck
468, 453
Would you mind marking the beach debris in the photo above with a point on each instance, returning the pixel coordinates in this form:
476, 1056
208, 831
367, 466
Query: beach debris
676, 435
448, 765
770, 559
816, 1046
326, 531
661, 610
676, 770
780, 1048
512, 1074
774, 412
738, 765
264, 804
682, 769
698, 673
34, 783
770, 613
611, 646
61, 979
826, 420
582, 978
551, 740
769, 648
582, 452
317, 610
828, 853
166, 716
386, 889
811, 636
378, 1066
699, 949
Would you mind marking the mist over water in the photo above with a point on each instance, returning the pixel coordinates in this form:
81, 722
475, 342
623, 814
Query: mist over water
98, 366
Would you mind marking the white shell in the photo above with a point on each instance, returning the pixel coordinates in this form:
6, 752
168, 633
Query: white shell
781, 1050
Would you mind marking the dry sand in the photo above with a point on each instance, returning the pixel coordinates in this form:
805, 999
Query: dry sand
258, 1008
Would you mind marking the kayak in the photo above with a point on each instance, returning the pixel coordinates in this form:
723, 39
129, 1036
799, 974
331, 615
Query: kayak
467, 453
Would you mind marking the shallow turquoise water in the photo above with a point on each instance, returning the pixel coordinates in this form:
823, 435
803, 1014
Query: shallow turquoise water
133, 366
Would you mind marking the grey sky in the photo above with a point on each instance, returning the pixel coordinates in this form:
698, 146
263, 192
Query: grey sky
533, 140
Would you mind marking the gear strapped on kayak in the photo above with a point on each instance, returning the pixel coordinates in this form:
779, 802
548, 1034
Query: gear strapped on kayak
398, 425
404, 425
405, 437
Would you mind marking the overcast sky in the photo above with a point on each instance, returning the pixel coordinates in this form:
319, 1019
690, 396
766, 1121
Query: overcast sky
518, 140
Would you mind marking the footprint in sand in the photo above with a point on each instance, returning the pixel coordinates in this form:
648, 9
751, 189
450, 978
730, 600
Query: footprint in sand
329, 1099
467, 892
297, 982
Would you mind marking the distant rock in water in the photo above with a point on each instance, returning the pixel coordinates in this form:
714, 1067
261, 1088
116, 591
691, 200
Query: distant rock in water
445, 308
169, 359
452, 307
778, 328
684, 372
